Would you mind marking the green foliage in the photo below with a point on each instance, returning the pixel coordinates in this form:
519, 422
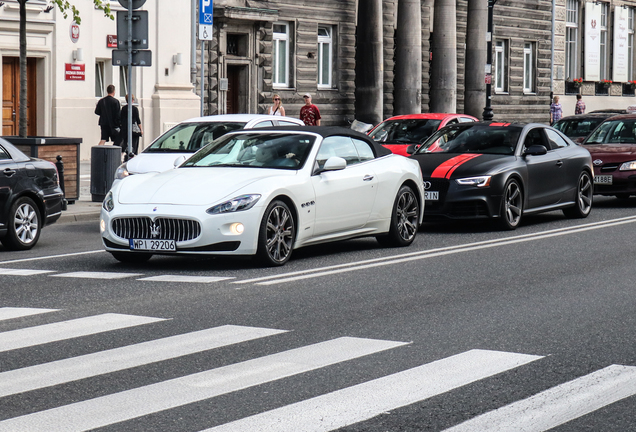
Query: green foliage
65, 6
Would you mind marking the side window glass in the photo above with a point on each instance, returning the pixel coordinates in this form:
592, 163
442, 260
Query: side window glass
556, 140
364, 150
286, 123
452, 121
263, 124
4, 155
466, 120
337, 146
535, 137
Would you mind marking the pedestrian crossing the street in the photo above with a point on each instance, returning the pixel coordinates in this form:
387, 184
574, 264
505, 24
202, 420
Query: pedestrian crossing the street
327, 412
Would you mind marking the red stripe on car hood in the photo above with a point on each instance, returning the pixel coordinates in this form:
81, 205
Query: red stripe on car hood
446, 168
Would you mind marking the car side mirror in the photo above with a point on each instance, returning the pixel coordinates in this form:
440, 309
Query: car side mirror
335, 163
536, 150
412, 148
178, 161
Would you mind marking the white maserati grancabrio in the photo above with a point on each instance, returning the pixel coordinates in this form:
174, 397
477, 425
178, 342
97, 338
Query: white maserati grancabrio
267, 192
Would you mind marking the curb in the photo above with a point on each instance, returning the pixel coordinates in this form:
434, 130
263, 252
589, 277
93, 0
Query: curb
80, 217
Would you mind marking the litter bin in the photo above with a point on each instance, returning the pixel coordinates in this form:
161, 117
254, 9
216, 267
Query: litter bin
105, 160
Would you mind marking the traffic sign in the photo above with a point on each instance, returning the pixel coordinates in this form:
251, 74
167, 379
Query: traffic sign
139, 57
139, 29
206, 10
136, 4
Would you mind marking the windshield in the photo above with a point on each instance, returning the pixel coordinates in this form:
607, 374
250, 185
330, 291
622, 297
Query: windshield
190, 137
614, 132
574, 128
472, 138
413, 131
280, 151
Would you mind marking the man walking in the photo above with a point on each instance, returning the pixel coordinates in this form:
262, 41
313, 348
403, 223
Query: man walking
309, 113
109, 111
580, 105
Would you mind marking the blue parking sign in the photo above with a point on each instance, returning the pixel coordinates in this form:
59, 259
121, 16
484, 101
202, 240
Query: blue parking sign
205, 11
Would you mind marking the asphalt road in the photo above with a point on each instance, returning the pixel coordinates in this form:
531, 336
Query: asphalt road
469, 328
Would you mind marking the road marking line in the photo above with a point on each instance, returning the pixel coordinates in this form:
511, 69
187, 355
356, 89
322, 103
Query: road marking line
392, 260
364, 401
126, 405
63, 330
51, 256
13, 312
103, 362
558, 405
96, 275
189, 279
23, 272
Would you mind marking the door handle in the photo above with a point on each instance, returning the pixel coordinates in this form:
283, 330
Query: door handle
13, 116
367, 178
8, 172
559, 164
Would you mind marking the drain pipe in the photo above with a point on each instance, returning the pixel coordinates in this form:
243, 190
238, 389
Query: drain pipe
552, 52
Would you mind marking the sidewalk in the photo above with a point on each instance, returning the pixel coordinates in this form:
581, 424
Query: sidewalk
84, 209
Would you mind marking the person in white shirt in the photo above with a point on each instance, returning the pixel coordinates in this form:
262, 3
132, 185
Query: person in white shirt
277, 108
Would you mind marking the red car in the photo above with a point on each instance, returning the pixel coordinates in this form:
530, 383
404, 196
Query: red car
397, 133
613, 149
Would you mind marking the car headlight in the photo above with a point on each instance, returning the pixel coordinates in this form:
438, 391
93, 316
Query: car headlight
628, 166
481, 181
122, 172
109, 202
240, 203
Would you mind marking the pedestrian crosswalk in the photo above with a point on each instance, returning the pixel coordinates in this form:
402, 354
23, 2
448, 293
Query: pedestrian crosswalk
114, 275
326, 412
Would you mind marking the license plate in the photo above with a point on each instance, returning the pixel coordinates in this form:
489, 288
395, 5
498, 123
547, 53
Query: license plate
603, 179
152, 245
431, 195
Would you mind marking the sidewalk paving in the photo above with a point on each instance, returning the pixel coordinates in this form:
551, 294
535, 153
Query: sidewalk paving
84, 209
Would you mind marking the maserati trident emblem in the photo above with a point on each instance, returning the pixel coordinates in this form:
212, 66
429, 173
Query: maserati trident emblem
598, 162
154, 230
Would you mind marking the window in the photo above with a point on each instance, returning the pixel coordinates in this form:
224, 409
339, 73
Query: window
528, 67
100, 88
364, 150
325, 56
123, 81
604, 74
501, 66
339, 146
263, 124
630, 44
3, 154
571, 38
556, 141
466, 120
280, 55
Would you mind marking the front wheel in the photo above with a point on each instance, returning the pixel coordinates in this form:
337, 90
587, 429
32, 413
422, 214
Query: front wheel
405, 220
583, 203
276, 235
511, 205
131, 257
23, 225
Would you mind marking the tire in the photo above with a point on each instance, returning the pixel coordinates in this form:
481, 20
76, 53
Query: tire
405, 219
24, 225
131, 257
276, 235
511, 208
583, 201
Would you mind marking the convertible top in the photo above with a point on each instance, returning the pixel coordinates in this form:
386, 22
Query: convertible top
325, 131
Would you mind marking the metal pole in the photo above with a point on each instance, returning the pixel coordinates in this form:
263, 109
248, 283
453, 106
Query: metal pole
488, 114
129, 77
202, 70
193, 47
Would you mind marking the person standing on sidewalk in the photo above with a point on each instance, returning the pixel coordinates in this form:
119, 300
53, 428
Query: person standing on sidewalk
556, 111
137, 130
309, 113
109, 111
580, 105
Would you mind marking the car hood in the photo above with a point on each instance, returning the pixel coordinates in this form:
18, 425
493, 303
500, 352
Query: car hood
153, 162
627, 150
194, 186
454, 165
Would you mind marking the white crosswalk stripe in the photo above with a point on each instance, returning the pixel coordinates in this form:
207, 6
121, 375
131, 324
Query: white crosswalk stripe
31, 336
76, 368
96, 275
364, 401
23, 272
185, 278
7, 313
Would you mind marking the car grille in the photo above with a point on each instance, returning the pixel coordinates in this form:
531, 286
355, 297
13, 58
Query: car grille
609, 167
440, 186
161, 229
469, 209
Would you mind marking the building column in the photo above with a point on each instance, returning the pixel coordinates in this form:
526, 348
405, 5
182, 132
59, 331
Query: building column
369, 62
475, 86
408, 58
444, 65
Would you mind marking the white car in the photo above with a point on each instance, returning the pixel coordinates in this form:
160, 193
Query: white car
265, 193
182, 140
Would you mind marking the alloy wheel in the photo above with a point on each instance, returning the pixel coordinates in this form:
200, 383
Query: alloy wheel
279, 234
407, 212
26, 224
586, 192
512, 204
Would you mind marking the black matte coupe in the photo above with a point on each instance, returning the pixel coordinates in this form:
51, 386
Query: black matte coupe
502, 171
30, 197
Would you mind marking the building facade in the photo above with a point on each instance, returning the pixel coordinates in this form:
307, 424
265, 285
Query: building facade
70, 66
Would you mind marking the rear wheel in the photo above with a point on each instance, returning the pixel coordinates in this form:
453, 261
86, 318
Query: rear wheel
24, 225
131, 257
276, 235
405, 219
511, 205
583, 203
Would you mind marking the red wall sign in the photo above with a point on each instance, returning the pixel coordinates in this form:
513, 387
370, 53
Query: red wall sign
111, 41
74, 72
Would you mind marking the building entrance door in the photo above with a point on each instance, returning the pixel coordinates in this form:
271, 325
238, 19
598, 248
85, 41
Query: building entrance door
11, 96
237, 96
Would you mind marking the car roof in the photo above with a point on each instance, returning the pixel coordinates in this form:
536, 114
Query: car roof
237, 118
589, 115
622, 117
432, 116
324, 132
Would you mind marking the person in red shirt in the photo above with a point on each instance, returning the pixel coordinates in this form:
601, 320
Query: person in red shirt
309, 113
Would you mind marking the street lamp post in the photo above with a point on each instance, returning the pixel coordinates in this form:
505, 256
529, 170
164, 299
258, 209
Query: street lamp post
487, 115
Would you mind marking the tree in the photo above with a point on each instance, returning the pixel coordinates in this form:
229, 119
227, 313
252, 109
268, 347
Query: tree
64, 6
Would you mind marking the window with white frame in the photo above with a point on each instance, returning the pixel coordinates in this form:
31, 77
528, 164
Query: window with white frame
528, 67
501, 66
325, 56
280, 55
100, 86
123, 81
630, 44
603, 53
571, 38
